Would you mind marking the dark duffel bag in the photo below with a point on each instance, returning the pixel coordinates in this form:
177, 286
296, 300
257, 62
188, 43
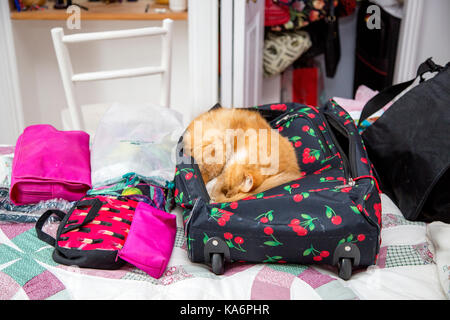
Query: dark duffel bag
332, 215
409, 144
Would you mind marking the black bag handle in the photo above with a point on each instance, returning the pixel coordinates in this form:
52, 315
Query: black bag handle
388, 94
40, 224
95, 205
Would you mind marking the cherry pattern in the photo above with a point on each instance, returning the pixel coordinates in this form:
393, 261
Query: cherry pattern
351, 238
318, 255
335, 219
323, 169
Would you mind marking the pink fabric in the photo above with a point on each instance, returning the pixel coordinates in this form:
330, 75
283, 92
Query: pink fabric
150, 242
362, 96
49, 164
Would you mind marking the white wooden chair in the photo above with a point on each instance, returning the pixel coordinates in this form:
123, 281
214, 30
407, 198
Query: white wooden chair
87, 117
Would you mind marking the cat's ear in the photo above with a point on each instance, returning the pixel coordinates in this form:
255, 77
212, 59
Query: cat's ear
247, 184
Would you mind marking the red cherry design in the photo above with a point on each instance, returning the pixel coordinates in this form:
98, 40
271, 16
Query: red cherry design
361, 237
360, 208
324, 254
281, 107
346, 189
233, 205
228, 236
336, 220
298, 144
226, 217
239, 240
280, 129
295, 222
300, 231
264, 220
305, 128
364, 160
311, 115
317, 258
296, 185
189, 175
221, 221
298, 198
268, 230
175, 193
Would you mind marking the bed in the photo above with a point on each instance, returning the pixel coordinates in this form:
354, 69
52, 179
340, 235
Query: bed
413, 263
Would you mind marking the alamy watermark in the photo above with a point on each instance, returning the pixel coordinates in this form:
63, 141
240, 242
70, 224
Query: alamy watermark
373, 21
251, 146
74, 20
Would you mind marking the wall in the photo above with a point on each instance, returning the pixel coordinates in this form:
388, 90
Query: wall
434, 38
40, 81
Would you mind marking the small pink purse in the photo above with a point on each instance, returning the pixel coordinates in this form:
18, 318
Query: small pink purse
49, 164
150, 241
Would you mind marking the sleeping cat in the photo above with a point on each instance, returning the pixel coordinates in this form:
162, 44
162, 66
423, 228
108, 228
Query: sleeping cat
239, 154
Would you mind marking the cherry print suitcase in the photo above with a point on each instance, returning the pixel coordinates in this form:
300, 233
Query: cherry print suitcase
331, 215
92, 233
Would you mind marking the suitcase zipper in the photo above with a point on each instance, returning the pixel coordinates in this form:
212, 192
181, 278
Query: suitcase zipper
348, 165
187, 224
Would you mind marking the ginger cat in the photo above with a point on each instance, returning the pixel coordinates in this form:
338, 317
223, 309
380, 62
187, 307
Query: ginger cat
239, 154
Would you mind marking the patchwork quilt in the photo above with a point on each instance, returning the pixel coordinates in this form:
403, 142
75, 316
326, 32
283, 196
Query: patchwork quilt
413, 263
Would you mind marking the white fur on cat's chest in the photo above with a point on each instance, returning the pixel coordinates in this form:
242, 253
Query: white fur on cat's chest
210, 185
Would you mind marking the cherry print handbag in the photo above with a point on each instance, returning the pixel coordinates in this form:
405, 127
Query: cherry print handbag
92, 233
331, 215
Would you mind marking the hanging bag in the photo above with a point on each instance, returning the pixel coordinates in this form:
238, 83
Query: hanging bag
409, 144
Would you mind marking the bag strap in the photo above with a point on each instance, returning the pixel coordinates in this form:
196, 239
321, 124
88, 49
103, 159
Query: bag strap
41, 221
95, 205
388, 94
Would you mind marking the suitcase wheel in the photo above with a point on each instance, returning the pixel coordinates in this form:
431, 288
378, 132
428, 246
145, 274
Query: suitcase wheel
346, 256
216, 252
345, 268
217, 263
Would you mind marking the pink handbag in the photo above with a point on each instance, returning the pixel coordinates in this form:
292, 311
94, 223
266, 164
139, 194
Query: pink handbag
49, 164
149, 243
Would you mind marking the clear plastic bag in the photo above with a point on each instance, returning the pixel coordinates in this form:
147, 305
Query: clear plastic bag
139, 138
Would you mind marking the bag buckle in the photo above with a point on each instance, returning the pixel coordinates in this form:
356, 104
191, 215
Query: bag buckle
428, 66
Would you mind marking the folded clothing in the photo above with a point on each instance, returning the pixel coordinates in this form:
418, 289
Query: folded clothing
49, 164
138, 188
150, 241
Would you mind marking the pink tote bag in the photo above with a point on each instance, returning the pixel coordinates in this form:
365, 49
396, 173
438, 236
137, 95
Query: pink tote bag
150, 241
50, 164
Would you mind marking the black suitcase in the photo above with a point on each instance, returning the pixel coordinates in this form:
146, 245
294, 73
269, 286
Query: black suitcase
332, 215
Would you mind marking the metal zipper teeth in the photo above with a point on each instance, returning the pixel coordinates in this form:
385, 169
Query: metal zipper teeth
320, 133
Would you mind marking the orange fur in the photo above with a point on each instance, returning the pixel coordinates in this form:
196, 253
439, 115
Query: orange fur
241, 169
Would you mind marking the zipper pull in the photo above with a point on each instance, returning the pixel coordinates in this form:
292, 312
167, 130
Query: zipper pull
286, 117
350, 183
